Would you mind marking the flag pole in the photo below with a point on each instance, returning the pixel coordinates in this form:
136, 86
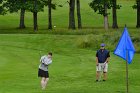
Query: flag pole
125, 44
127, 71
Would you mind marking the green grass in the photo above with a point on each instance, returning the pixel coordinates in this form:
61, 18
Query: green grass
72, 70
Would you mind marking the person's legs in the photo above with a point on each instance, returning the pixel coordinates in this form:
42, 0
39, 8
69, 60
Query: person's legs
46, 82
98, 70
97, 75
43, 82
105, 72
105, 76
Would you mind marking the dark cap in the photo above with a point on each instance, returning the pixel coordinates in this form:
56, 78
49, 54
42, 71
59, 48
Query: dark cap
102, 45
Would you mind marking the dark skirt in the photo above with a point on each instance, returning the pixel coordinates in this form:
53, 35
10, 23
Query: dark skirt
42, 73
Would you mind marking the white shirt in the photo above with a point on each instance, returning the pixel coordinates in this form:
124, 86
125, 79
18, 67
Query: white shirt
45, 61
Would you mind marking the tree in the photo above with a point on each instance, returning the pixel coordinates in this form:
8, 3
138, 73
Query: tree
22, 15
35, 6
138, 14
50, 7
114, 13
22, 5
49, 14
79, 14
71, 14
14, 6
102, 6
105, 14
137, 6
35, 16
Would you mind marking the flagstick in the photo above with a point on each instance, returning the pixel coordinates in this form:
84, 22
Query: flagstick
126, 71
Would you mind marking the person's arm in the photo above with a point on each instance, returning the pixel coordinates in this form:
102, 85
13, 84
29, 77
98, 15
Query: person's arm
41, 59
97, 58
48, 62
96, 61
108, 57
107, 60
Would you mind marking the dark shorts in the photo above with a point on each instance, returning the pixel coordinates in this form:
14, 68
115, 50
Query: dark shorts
42, 73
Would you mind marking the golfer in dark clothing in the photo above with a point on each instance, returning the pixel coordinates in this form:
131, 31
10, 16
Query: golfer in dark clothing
102, 59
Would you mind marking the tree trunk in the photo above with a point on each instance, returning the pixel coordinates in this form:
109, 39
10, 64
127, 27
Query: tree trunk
106, 24
138, 14
114, 13
71, 14
79, 15
49, 15
35, 21
22, 15
35, 16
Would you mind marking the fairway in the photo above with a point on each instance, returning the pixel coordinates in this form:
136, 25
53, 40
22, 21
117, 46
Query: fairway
72, 70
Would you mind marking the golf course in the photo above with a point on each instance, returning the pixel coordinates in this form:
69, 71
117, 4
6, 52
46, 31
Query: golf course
73, 68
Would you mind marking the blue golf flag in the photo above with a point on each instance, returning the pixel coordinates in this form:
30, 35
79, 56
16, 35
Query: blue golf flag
125, 48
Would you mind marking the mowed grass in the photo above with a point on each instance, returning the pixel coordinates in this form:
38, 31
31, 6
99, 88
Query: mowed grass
72, 70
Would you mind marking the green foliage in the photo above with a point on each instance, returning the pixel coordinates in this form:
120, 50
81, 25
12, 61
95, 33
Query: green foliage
93, 41
98, 5
88, 41
118, 6
136, 41
2, 9
35, 6
1, 1
39, 7
29, 5
136, 5
12, 5
111, 40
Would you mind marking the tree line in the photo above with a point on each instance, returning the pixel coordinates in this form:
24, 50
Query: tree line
35, 6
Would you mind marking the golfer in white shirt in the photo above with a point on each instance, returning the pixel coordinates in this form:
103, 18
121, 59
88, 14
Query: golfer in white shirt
45, 61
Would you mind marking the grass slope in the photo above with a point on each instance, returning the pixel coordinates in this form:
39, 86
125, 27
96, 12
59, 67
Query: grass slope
72, 71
